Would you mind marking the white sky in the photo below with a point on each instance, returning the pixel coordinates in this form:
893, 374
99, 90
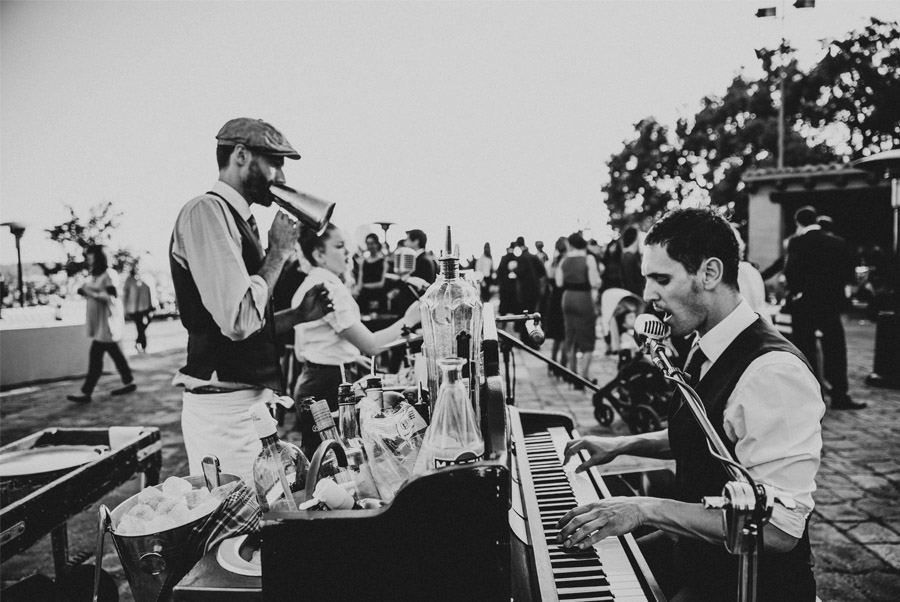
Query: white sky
495, 118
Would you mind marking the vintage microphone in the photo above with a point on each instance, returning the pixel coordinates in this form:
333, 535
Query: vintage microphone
746, 506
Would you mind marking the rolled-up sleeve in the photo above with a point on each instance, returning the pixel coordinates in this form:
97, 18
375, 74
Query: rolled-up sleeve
774, 418
208, 244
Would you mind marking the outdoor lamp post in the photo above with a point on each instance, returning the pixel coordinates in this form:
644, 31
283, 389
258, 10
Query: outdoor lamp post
782, 49
886, 372
18, 229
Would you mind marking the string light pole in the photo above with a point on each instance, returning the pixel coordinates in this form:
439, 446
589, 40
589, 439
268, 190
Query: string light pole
771, 12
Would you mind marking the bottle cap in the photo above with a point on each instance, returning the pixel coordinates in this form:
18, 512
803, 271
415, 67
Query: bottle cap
265, 425
322, 415
305, 403
345, 393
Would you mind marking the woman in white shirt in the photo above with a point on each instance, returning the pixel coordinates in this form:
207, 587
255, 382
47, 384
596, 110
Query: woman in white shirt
340, 337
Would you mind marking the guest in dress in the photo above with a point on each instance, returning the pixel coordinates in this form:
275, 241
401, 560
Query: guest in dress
579, 278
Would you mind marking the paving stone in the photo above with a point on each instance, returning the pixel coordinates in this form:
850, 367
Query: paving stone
874, 484
845, 511
880, 586
889, 552
879, 508
835, 587
871, 532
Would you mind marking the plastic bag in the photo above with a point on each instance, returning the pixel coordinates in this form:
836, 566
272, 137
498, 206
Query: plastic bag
392, 438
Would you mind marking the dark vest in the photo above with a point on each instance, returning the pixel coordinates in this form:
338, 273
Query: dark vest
786, 577
252, 361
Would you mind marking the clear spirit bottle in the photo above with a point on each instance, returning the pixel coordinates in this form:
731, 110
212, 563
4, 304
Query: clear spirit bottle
280, 467
451, 326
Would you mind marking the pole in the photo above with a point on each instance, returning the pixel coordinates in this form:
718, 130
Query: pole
19, 257
781, 113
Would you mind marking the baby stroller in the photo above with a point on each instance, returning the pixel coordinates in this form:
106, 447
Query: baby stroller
639, 392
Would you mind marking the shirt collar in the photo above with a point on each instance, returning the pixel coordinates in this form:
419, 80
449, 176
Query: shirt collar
233, 198
714, 342
325, 275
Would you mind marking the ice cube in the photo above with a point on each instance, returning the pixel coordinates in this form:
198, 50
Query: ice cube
142, 512
176, 487
159, 524
151, 496
180, 513
167, 504
130, 525
256, 558
196, 497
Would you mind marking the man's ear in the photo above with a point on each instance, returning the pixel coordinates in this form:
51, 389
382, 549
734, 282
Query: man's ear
711, 271
241, 155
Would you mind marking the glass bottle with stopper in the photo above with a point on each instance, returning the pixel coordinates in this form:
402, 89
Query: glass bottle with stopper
453, 438
280, 469
451, 325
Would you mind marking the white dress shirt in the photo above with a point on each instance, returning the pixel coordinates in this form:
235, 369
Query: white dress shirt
318, 341
207, 242
773, 417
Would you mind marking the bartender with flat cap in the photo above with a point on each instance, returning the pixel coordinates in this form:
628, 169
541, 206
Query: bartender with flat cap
223, 282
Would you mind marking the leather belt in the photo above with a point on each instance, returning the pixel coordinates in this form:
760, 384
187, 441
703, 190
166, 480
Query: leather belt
211, 389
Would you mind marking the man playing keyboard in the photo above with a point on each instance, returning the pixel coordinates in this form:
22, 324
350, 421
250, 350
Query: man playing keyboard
763, 400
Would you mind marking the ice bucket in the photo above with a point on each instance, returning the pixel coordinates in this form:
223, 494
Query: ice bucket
151, 560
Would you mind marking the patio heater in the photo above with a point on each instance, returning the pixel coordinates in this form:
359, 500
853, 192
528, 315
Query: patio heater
18, 229
886, 371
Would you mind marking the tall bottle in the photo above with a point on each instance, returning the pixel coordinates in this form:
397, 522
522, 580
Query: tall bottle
453, 437
351, 439
353, 478
451, 325
280, 467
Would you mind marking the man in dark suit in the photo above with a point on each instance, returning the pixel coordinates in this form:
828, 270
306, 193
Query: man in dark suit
818, 267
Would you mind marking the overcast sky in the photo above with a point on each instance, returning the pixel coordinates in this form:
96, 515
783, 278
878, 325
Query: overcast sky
494, 118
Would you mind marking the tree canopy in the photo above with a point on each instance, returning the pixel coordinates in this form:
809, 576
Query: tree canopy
846, 105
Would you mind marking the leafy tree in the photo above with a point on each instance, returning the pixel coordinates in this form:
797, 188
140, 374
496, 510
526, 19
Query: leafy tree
849, 102
77, 234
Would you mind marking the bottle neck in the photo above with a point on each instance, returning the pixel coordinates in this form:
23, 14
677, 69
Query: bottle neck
450, 269
269, 440
349, 427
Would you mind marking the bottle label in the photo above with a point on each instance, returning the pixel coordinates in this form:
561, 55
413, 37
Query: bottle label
467, 457
277, 491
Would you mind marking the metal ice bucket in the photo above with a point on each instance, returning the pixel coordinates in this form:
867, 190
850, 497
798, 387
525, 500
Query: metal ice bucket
149, 560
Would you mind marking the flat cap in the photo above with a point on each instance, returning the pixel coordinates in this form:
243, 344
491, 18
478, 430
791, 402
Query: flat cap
258, 135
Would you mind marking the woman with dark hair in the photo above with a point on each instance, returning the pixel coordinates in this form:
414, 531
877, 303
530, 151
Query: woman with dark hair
371, 277
579, 279
340, 337
551, 310
105, 323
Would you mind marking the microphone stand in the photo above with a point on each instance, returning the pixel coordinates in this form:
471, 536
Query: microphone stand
746, 506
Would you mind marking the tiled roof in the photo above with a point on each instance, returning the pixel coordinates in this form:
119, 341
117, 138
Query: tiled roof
824, 169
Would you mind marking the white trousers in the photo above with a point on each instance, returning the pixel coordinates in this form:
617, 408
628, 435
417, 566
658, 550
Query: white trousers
219, 424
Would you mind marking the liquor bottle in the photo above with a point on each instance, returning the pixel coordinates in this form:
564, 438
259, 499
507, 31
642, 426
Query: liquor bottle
310, 440
280, 467
351, 439
451, 325
453, 437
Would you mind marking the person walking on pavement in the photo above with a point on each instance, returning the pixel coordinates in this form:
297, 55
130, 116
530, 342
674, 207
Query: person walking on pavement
818, 266
140, 301
224, 282
105, 321
762, 399
579, 278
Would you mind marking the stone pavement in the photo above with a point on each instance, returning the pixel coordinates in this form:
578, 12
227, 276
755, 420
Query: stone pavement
855, 528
